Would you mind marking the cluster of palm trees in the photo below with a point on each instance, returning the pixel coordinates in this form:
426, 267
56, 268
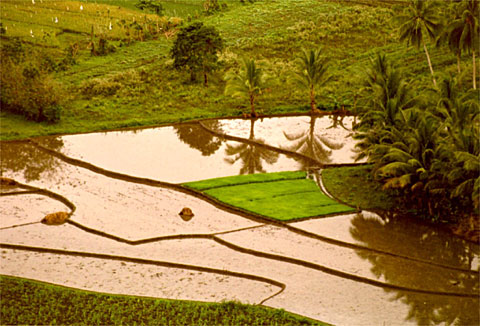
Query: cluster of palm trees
311, 74
426, 145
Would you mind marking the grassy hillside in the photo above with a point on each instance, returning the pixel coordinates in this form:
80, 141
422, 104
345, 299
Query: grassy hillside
136, 85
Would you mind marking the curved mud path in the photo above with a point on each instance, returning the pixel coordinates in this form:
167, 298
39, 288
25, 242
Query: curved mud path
126, 229
223, 206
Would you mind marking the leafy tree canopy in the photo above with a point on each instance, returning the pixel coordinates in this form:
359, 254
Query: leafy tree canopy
196, 49
150, 5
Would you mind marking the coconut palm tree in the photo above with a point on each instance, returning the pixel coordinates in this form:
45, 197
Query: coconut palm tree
386, 94
420, 21
249, 82
470, 27
408, 162
312, 73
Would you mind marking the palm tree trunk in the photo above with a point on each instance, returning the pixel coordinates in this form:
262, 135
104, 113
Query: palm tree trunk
312, 99
429, 63
252, 105
474, 71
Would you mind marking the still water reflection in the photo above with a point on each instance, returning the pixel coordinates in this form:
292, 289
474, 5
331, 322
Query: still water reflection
312, 144
29, 160
252, 157
176, 154
426, 243
327, 139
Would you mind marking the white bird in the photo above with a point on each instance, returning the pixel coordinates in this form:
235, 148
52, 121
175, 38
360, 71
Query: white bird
31, 33
110, 26
56, 20
33, 2
81, 7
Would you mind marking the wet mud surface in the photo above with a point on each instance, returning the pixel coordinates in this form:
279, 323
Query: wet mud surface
126, 236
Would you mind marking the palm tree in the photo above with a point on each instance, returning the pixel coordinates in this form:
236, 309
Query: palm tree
450, 36
469, 38
409, 162
250, 82
312, 73
385, 94
419, 21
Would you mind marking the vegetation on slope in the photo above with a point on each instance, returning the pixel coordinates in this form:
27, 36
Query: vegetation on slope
26, 302
137, 85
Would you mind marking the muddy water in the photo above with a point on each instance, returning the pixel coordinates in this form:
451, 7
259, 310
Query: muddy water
397, 252
401, 236
173, 154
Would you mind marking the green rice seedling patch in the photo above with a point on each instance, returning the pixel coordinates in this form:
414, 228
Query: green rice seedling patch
245, 179
363, 190
282, 196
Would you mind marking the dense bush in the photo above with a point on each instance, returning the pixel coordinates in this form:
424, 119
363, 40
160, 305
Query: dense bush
111, 85
28, 89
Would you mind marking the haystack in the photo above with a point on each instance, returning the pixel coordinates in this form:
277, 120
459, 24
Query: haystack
55, 218
186, 214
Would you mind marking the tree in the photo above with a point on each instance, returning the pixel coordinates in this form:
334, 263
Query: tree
211, 6
312, 73
151, 5
385, 93
461, 33
470, 27
250, 82
418, 21
196, 48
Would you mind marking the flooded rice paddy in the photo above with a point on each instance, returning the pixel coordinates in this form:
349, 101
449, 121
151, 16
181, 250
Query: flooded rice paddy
125, 234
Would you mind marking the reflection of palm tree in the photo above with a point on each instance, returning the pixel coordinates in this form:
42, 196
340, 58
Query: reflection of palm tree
337, 119
198, 138
251, 155
312, 145
430, 245
33, 162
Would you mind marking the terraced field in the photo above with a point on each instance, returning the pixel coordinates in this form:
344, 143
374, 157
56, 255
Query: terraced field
125, 236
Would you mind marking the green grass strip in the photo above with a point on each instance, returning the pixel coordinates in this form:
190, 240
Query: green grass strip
356, 186
26, 302
245, 179
282, 196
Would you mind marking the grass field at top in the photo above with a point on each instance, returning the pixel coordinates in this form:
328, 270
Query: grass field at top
26, 302
137, 86
177, 8
282, 196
